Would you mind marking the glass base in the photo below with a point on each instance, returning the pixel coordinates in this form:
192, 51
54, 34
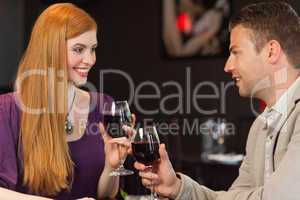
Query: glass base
154, 196
121, 171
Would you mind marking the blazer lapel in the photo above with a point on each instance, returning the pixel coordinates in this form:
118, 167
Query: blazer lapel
276, 128
259, 158
280, 127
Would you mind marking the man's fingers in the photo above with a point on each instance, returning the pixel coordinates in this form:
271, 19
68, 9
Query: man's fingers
149, 175
139, 166
163, 153
146, 182
150, 184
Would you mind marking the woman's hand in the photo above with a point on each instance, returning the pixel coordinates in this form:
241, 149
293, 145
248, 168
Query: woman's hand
113, 152
133, 120
116, 149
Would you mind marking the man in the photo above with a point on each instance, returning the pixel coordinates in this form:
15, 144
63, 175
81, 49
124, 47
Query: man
264, 62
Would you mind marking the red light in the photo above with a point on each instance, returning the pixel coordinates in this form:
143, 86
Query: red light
184, 23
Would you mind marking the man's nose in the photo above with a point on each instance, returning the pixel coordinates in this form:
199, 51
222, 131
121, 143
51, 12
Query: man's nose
228, 66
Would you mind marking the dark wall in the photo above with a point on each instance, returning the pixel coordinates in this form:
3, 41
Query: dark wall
130, 40
11, 40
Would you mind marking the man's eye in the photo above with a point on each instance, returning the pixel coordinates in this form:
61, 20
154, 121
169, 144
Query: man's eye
233, 52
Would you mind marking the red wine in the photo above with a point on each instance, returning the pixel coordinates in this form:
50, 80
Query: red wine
113, 126
146, 152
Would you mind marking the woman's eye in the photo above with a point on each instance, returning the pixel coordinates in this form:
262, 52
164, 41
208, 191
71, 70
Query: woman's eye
78, 50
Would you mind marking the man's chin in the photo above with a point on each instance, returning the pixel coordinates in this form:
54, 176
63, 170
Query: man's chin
243, 93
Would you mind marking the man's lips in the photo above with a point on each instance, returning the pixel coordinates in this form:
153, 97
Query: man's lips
236, 78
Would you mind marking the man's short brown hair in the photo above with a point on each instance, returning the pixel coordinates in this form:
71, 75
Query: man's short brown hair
275, 20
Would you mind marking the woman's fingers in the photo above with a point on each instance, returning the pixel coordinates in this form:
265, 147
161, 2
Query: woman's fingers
133, 118
120, 141
128, 130
103, 132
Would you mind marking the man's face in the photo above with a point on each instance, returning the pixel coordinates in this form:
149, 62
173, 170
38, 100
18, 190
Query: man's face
246, 66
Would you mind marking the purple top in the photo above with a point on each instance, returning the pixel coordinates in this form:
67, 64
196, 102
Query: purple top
87, 152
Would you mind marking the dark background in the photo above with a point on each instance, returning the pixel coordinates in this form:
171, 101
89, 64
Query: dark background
130, 40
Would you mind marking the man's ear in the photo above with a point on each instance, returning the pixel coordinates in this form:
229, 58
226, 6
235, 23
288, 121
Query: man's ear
274, 51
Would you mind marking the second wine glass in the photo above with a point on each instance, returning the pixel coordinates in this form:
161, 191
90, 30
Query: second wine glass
114, 119
145, 148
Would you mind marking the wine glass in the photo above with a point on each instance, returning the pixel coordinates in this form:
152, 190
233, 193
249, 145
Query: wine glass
114, 119
145, 148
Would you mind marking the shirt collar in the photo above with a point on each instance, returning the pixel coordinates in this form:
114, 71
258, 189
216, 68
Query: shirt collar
281, 105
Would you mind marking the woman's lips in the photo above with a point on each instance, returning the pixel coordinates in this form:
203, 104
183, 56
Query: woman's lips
83, 72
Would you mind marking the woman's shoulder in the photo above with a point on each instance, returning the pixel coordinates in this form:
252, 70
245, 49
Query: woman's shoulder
9, 115
7, 97
8, 102
99, 102
100, 99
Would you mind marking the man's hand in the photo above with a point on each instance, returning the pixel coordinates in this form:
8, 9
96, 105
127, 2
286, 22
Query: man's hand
162, 177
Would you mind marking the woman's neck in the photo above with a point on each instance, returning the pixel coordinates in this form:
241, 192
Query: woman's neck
71, 93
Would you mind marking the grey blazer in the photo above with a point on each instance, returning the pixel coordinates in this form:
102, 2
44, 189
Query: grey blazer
283, 184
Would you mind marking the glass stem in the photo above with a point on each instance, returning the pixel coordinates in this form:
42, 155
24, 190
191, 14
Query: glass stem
121, 156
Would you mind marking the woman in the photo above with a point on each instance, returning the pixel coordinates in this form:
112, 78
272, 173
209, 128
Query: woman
50, 144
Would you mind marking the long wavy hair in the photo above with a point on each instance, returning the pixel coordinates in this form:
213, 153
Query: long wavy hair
41, 86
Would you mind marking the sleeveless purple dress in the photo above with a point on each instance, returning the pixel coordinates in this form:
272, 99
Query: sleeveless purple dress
87, 152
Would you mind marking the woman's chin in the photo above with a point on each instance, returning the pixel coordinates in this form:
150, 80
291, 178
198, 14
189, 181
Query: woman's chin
80, 82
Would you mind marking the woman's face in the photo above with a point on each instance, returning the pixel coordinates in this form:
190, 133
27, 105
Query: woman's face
81, 56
